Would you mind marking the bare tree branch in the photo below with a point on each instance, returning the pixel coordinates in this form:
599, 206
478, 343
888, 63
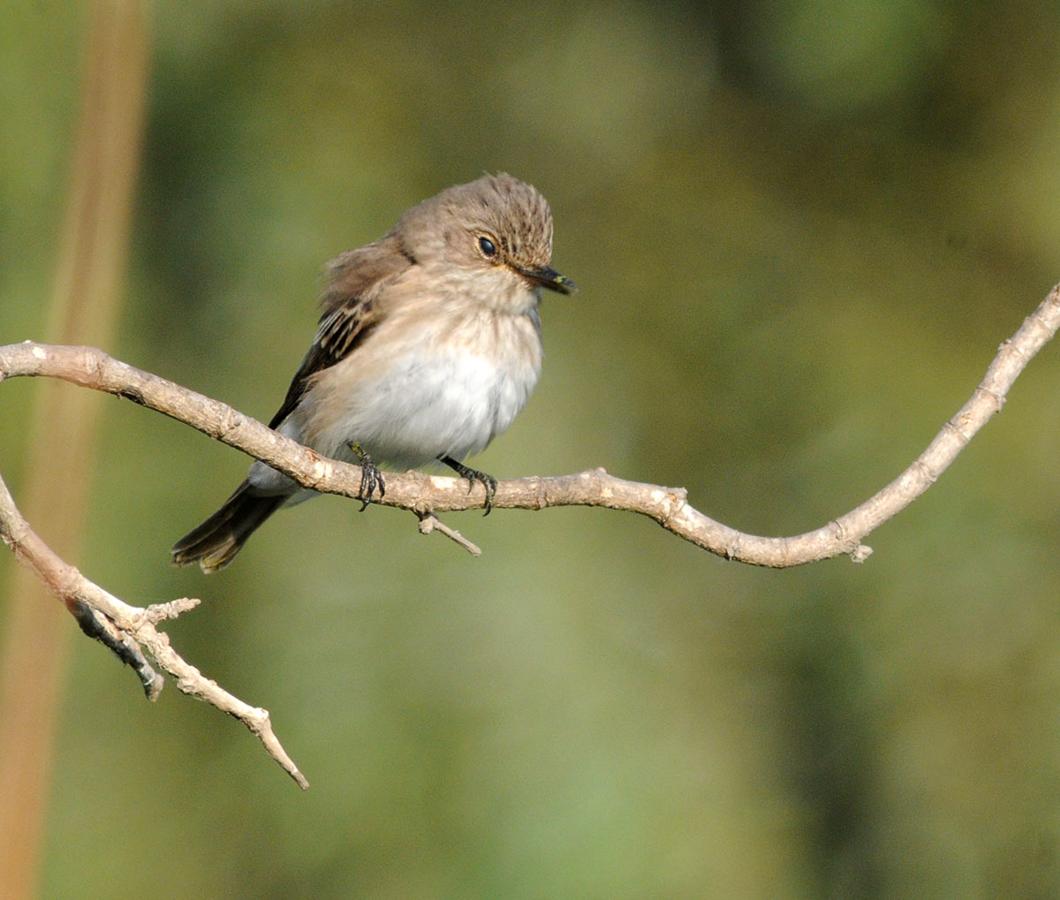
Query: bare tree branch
132, 628
430, 494
426, 495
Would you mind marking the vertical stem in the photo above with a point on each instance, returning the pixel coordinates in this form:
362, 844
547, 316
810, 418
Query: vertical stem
84, 307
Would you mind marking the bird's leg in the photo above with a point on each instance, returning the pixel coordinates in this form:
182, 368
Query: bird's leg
473, 475
371, 477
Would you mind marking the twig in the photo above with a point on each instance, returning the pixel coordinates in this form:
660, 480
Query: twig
97, 626
430, 522
130, 630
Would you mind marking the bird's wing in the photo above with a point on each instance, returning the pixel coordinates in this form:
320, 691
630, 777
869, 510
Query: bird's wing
351, 311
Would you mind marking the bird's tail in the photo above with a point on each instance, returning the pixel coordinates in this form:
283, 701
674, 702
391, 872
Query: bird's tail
214, 544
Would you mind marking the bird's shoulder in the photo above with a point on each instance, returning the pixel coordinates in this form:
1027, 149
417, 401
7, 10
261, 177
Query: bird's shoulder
352, 304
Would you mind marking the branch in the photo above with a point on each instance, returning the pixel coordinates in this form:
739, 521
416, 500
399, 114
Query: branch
116, 623
429, 494
128, 630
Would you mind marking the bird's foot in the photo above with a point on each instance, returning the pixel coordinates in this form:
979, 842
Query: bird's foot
473, 475
371, 478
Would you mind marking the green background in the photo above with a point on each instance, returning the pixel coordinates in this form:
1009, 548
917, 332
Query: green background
800, 231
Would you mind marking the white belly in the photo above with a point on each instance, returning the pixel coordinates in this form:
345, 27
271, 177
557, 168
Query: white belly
426, 406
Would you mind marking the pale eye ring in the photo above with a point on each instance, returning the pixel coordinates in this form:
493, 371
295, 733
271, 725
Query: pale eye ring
487, 246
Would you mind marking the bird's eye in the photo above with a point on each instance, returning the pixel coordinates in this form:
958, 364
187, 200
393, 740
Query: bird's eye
487, 246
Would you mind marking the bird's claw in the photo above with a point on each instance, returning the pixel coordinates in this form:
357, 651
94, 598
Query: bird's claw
472, 475
371, 478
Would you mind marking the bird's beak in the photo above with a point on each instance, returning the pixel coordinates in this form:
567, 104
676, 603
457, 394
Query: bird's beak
548, 278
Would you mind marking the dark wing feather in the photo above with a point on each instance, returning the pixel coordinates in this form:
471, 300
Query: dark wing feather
351, 311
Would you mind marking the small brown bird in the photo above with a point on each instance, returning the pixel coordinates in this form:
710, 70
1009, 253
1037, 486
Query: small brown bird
428, 347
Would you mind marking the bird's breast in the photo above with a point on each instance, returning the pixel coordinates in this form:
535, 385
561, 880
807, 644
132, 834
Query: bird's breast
442, 386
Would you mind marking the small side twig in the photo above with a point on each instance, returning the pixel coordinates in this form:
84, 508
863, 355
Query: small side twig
97, 626
430, 522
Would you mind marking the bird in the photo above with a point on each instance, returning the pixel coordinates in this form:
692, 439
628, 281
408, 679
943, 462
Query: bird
427, 347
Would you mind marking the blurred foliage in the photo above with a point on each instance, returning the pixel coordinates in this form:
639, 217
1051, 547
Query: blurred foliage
800, 230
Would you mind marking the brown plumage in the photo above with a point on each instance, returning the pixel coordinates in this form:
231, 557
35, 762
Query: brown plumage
428, 345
